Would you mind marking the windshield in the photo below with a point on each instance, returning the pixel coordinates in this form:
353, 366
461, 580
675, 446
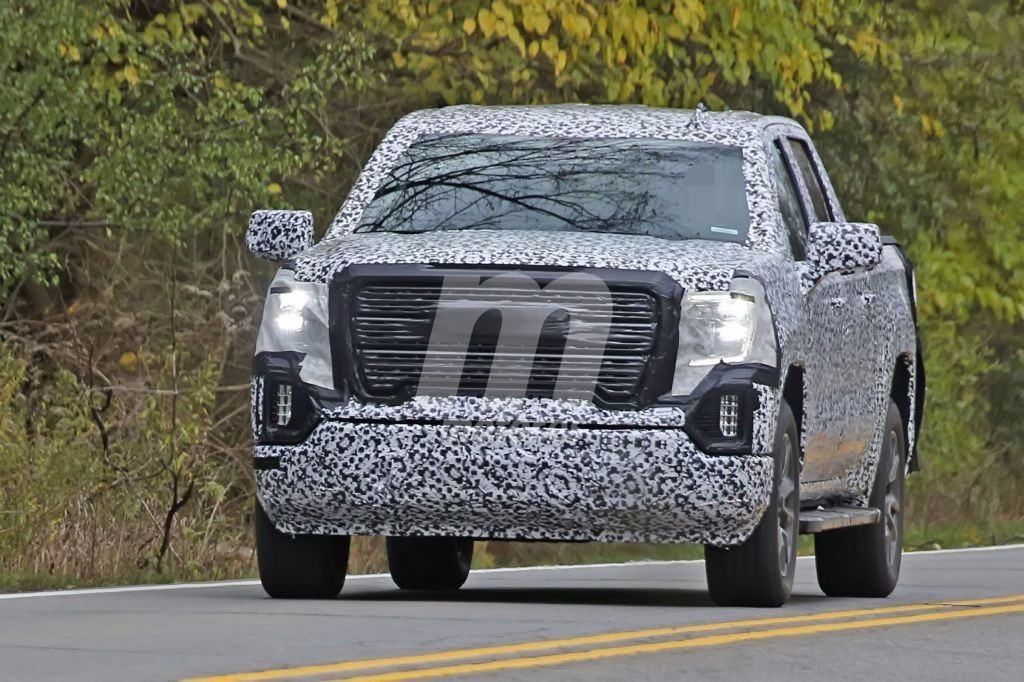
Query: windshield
662, 188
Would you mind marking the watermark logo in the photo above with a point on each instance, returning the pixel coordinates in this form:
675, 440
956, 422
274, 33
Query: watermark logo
507, 334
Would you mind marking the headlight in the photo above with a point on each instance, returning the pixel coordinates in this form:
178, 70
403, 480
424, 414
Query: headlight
291, 309
296, 319
716, 326
722, 326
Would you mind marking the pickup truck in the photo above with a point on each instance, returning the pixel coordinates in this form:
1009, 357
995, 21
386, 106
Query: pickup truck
586, 323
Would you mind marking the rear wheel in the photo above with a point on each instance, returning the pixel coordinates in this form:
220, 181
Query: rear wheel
429, 563
760, 571
299, 566
865, 561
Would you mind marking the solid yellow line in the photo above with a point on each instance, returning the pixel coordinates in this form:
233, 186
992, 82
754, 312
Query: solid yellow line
605, 638
699, 642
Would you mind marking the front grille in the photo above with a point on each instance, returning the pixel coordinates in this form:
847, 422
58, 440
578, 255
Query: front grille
390, 321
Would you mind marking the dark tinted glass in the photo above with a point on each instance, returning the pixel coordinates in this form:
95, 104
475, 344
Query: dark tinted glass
662, 188
803, 161
789, 204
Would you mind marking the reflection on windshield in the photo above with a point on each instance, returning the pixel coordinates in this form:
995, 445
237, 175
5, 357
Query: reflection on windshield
662, 188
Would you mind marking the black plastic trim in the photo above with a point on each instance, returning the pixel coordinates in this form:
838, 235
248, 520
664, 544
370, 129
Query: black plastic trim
266, 463
282, 367
723, 378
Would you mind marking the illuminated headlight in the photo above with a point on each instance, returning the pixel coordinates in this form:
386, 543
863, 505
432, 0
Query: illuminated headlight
296, 320
291, 310
732, 326
716, 326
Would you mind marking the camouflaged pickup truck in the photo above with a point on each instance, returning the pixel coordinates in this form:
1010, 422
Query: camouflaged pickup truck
586, 323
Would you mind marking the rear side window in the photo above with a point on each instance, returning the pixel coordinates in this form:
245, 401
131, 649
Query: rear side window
789, 204
802, 156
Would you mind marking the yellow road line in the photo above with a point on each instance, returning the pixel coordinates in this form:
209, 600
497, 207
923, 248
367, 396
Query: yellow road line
675, 645
568, 642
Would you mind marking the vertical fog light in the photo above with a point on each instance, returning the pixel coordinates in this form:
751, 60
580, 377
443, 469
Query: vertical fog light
729, 415
284, 404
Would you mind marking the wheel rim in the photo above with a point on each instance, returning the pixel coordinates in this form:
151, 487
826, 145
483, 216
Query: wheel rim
787, 508
891, 509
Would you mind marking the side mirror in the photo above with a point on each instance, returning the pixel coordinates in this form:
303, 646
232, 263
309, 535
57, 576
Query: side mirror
843, 247
278, 235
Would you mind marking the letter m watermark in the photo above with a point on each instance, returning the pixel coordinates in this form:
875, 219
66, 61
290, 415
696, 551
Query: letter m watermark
556, 334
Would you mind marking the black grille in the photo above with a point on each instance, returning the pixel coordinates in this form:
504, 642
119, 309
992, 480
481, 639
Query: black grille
390, 322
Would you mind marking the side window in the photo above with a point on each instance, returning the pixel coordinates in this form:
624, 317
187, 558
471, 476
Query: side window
802, 156
789, 204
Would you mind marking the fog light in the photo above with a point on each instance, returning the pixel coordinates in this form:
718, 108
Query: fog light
729, 415
284, 405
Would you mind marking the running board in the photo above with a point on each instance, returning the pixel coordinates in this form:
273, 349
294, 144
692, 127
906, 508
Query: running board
833, 518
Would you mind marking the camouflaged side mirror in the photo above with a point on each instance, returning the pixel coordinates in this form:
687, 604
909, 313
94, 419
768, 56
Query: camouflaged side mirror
278, 235
843, 247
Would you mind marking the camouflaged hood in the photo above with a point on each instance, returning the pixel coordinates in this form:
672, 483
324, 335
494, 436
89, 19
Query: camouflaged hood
695, 264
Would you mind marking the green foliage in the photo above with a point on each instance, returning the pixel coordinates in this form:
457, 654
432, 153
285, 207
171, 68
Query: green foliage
41, 82
641, 51
131, 123
136, 136
937, 150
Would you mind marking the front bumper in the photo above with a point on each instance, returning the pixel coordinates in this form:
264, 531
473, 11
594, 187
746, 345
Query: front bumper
606, 483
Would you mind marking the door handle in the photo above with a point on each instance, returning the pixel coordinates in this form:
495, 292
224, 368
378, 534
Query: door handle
837, 301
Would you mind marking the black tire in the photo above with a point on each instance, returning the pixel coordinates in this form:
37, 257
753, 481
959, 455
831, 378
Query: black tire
429, 563
865, 561
760, 571
299, 566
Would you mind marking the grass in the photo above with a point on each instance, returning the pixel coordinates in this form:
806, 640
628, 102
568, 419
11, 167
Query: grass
920, 537
955, 535
33, 582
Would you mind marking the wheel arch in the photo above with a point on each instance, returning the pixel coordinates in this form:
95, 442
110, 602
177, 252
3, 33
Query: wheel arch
906, 391
793, 392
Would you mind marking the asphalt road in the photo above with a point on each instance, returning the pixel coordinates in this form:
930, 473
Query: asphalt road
956, 615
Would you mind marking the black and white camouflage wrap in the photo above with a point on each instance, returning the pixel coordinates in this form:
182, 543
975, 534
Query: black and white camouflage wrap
278, 235
497, 481
559, 469
503, 411
256, 403
842, 247
765, 416
699, 265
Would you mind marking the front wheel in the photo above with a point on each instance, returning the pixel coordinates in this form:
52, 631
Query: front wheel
864, 561
299, 566
760, 571
429, 563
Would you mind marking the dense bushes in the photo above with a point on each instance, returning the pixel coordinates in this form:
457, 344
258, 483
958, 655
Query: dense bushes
135, 136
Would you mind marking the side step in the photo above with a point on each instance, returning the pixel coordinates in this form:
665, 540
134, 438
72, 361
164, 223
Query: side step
833, 518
